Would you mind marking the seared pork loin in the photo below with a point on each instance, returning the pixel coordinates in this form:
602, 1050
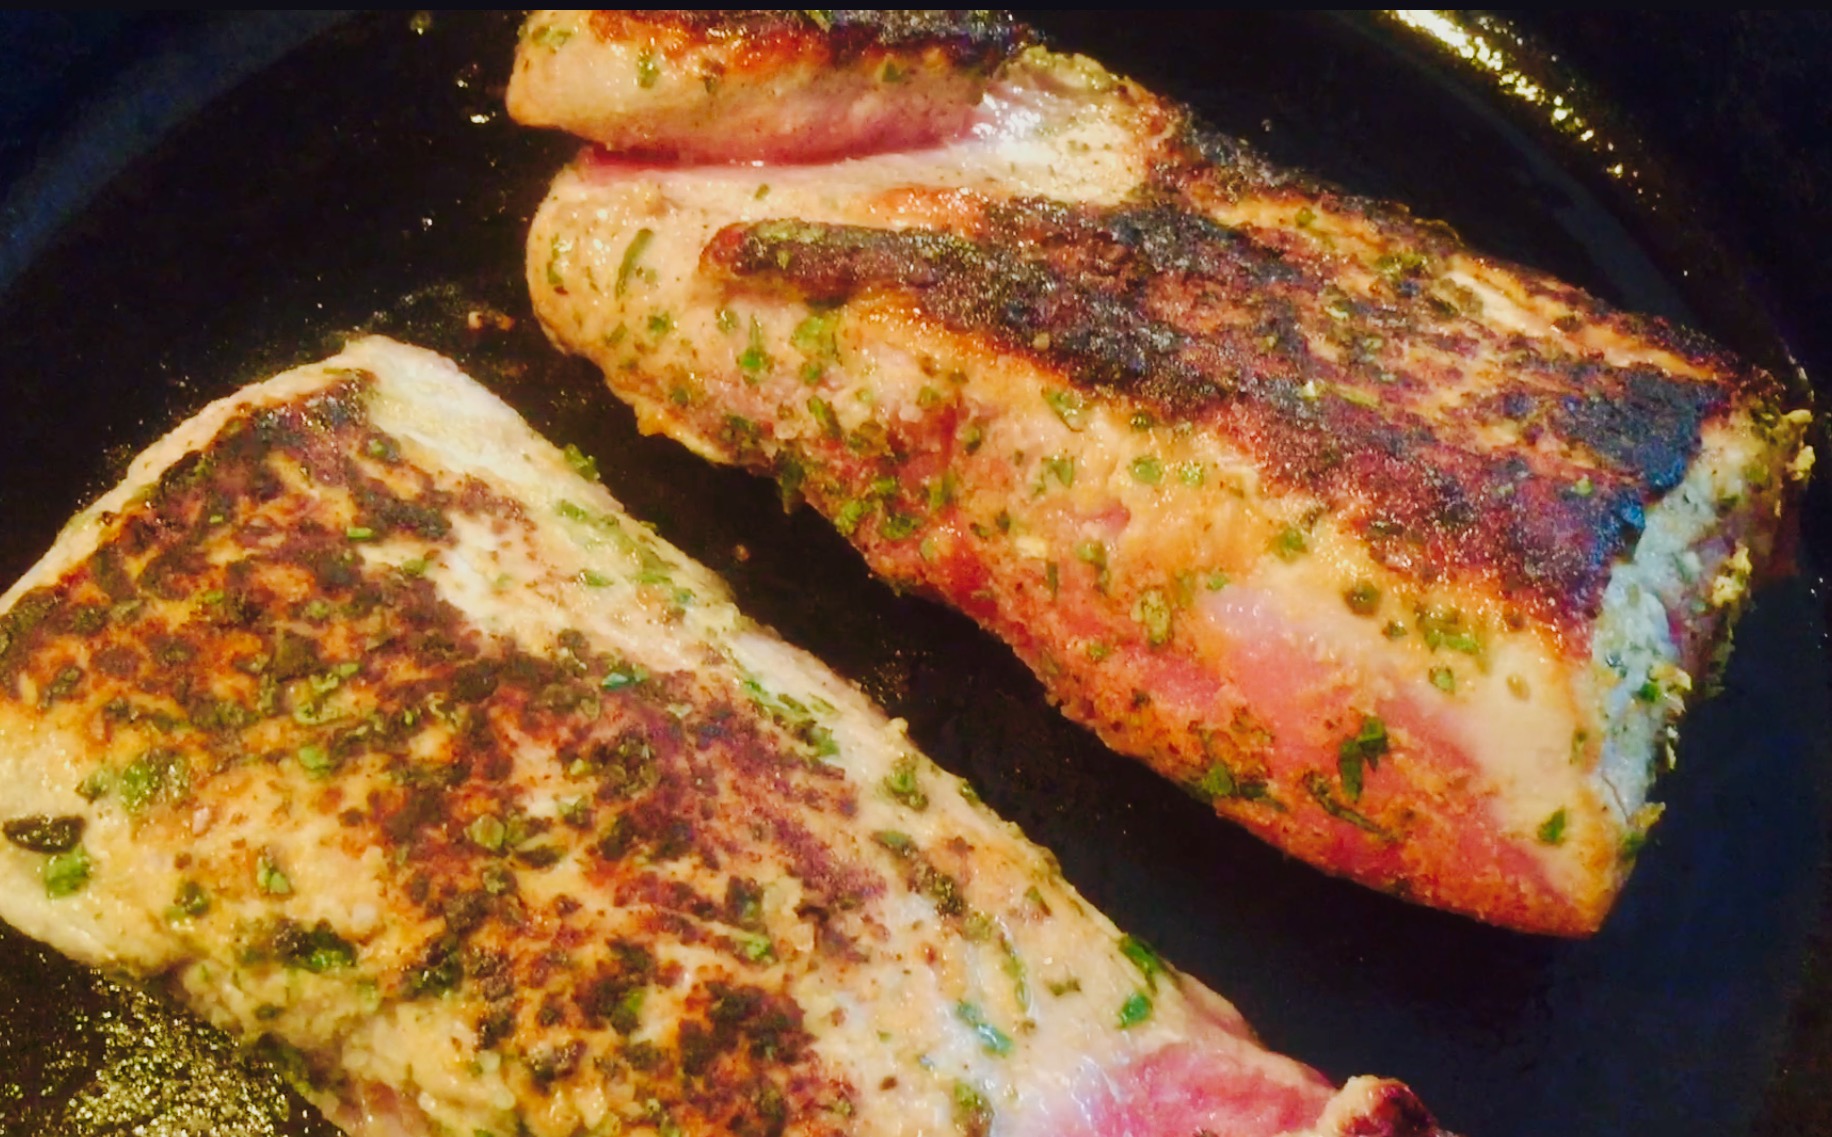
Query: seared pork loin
1405, 558
371, 728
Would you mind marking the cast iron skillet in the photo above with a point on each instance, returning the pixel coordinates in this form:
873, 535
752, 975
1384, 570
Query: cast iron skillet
367, 179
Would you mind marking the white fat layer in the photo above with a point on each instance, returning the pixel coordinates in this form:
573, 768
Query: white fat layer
1634, 645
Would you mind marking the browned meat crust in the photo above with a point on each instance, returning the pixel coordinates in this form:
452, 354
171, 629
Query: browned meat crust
1214, 325
1403, 556
481, 810
294, 612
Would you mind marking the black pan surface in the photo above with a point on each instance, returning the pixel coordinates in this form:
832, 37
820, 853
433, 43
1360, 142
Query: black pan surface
288, 182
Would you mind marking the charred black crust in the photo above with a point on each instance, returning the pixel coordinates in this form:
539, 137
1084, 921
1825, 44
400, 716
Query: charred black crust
970, 36
1155, 304
972, 40
1637, 418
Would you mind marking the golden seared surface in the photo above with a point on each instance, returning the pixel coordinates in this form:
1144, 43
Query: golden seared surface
1403, 556
366, 723
1518, 446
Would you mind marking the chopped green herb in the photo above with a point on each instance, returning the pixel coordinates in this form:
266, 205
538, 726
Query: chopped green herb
1147, 470
648, 70
1364, 747
1094, 553
546, 35
1290, 543
902, 785
1363, 598
556, 261
1349, 768
1135, 1010
632, 254
624, 675
1153, 611
898, 843
1034, 897
1149, 963
978, 927
65, 874
1061, 467
754, 946
1217, 781
1069, 406
814, 338
574, 512
1632, 843
1444, 679
1320, 790
972, 1112
360, 533
1190, 473
64, 684
191, 901
753, 360
157, 773
1014, 963
847, 518
1552, 830
319, 950
316, 759
1216, 581
994, 1040
269, 878
1099, 650
1648, 692
582, 463
1445, 627
1395, 265
592, 579
822, 410
897, 526
487, 831
94, 786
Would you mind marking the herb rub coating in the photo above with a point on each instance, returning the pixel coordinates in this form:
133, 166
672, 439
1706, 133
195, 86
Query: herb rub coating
1405, 558
361, 720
